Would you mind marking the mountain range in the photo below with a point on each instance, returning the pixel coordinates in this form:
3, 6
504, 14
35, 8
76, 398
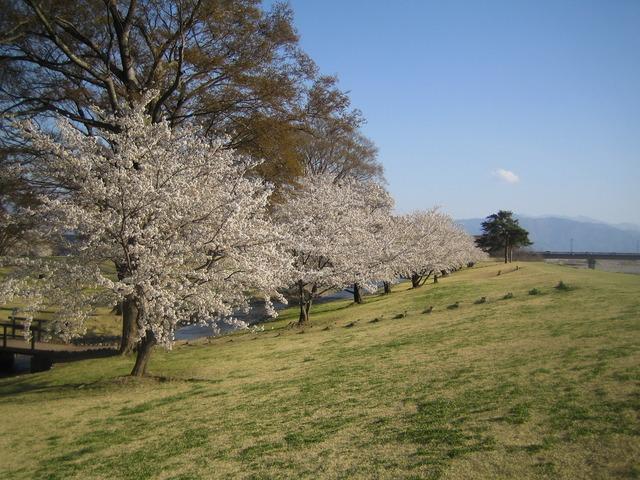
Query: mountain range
555, 233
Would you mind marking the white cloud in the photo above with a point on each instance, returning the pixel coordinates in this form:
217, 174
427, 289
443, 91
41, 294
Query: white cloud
506, 175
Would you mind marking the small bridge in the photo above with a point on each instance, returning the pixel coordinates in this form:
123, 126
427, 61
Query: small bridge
586, 255
15, 343
43, 354
590, 257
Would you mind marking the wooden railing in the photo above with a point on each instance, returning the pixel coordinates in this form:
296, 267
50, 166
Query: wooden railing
14, 326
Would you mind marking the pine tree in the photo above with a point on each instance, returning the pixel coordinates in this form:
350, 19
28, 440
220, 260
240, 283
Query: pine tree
502, 232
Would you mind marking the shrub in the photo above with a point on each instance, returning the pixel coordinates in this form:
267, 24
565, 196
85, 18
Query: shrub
508, 296
534, 291
481, 300
428, 310
562, 286
453, 306
400, 315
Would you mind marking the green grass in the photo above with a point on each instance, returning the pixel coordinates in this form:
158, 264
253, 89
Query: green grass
534, 386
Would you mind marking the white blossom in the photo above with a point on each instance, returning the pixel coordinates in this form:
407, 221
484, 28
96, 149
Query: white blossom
185, 217
331, 225
433, 243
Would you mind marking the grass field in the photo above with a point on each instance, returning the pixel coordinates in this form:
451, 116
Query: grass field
535, 386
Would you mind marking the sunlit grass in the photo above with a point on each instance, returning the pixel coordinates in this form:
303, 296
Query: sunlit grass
533, 386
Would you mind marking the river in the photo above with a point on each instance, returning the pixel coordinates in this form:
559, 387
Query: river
256, 314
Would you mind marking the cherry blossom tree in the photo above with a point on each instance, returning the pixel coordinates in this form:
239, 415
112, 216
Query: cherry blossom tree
434, 244
387, 250
370, 257
184, 215
393, 245
458, 251
329, 223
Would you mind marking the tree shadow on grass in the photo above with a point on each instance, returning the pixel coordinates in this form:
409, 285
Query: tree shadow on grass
23, 385
34, 382
27, 384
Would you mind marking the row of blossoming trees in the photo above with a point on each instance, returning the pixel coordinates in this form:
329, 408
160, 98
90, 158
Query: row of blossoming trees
195, 233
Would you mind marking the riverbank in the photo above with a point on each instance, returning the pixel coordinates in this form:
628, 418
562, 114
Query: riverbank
528, 386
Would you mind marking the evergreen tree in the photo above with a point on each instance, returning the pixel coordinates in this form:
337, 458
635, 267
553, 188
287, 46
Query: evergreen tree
502, 232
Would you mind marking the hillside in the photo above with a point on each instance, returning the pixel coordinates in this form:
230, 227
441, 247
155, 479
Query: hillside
534, 386
555, 233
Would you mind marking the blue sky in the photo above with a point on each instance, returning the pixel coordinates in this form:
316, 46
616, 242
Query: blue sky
456, 91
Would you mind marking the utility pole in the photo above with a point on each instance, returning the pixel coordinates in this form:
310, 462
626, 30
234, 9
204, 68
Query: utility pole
571, 246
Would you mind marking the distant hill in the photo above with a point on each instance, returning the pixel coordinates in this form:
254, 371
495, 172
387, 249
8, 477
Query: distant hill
555, 233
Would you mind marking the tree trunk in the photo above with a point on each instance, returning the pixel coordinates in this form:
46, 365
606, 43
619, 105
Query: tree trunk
129, 316
144, 353
435, 279
506, 251
415, 280
302, 318
129, 325
305, 304
357, 293
387, 287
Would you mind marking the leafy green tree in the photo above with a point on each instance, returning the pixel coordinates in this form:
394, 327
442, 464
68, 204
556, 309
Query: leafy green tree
502, 232
233, 67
